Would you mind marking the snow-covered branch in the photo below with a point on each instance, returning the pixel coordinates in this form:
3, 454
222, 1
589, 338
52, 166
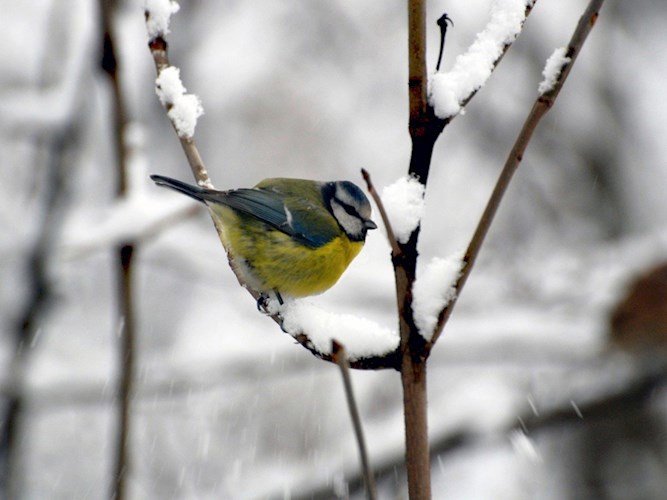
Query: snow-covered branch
182, 109
552, 70
362, 338
450, 91
404, 203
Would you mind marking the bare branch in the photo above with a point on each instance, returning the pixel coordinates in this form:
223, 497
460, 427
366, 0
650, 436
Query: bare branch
395, 249
540, 108
340, 358
417, 76
126, 251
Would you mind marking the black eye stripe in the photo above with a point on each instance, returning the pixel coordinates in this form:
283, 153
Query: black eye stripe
349, 209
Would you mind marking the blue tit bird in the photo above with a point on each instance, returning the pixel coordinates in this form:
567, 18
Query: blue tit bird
290, 237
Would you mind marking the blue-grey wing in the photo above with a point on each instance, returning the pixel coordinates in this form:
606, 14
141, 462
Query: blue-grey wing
310, 225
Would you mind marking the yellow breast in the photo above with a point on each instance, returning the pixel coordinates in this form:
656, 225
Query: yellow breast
270, 260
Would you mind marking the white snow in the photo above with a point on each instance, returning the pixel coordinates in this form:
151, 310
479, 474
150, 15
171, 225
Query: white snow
168, 85
184, 114
404, 202
433, 290
473, 68
361, 337
158, 15
552, 70
183, 109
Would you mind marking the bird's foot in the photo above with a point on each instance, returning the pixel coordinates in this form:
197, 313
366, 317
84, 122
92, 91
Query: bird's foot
264, 299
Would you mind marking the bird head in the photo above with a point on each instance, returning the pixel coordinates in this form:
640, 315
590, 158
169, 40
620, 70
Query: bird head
350, 208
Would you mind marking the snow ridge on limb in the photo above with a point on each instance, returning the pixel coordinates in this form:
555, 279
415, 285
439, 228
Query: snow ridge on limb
450, 91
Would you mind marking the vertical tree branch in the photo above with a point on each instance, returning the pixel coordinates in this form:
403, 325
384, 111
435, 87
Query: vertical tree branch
36, 305
424, 129
127, 362
423, 125
417, 60
125, 253
417, 456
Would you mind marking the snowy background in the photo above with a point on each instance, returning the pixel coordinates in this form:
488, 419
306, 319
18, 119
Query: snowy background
226, 405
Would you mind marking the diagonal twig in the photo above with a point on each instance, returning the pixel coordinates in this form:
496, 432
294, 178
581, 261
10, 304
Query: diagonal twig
395, 248
340, 359
541, 106
158, 48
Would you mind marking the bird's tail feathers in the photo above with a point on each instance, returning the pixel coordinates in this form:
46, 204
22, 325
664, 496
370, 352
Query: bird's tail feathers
182, 187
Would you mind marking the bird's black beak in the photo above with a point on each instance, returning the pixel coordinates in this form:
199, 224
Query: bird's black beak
369, 224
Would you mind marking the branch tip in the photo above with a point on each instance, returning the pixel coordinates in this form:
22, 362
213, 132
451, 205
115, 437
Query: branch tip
393, 242
442, 22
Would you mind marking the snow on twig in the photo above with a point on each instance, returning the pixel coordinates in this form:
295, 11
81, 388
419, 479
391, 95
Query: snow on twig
449, 91
552, 70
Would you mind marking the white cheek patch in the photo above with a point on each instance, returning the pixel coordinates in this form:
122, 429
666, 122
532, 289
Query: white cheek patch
352, 225
344, 195
348, 198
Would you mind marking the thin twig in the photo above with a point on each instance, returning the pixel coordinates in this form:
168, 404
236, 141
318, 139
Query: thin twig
540, 108
158, 47
442, 22
395, 249
340, 358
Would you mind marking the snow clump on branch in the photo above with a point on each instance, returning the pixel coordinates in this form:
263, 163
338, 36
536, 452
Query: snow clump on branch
404, 202
361, 337
183, 109
449, 91
158, 15
433, 290
552, 70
